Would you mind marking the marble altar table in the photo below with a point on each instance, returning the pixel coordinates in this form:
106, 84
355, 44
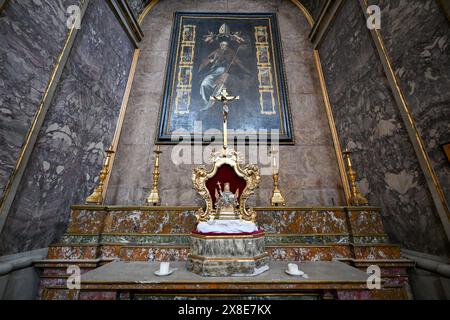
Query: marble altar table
136, 280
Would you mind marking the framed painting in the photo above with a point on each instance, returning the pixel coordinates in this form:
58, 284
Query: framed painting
212, 51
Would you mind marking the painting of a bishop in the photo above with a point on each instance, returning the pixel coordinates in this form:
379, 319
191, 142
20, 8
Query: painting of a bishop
218, 65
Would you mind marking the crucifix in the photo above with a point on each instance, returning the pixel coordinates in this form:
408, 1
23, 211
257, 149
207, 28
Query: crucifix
225, 99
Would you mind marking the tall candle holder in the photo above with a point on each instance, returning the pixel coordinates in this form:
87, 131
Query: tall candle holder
277, 197
357, 198
154, 197
97, 196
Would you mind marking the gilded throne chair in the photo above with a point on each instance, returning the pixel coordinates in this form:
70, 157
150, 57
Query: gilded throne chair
227, 241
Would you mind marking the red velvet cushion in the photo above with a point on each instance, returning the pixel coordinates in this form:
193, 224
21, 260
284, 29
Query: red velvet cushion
228, 234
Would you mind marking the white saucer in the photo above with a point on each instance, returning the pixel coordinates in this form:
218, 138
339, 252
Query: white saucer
299, 274
165, 274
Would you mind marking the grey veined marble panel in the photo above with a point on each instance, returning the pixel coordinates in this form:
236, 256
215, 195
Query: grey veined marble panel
369, 123
314, 7
79, 126
137, 6
32, 34
417, 36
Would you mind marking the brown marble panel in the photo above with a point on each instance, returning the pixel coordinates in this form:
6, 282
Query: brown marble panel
366, 222
72, 252
110, 251
98, 295
300, 253
377, 252
59, 294
86, 222
155, 222
303, 222
390, 294
153, 254
124, 222
341, 251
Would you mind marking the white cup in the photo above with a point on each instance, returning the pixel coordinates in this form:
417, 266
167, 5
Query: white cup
293, 268
164, 267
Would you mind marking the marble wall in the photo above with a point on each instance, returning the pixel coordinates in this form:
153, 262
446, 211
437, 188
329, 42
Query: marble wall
309, 172
369, 123
314, 7
32, 34
417, 36
138, 6
79, 126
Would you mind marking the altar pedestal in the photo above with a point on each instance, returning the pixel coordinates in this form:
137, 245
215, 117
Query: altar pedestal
228, 255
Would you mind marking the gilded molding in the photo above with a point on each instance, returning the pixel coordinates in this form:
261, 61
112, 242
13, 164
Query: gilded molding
250, 173
177, 209
325, 20
411, 127
123, 109
147, 10
36, 124
328, 108
131, 208
127, 20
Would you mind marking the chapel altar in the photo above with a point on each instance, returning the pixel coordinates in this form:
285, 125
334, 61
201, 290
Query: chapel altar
225, 249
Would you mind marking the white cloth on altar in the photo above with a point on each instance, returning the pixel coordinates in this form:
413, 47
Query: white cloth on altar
227, 226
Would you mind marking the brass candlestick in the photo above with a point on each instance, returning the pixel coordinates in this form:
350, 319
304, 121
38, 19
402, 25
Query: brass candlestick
357, 198
154, 197
97, 196
277, 197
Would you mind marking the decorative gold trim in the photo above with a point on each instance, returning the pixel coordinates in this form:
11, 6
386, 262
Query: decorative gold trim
21, 161
250, 173
97, 196
177, 209
174, 209
268, 235
147, 10
305, 12
273, 235
224, 295
363, 209
413, 132
154, 197
357, 198
119, 125
331, 123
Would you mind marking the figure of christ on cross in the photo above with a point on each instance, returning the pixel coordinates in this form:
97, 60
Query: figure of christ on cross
225, 99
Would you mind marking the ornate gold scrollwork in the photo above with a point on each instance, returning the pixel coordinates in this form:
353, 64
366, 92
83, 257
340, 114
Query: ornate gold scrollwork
250, 173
